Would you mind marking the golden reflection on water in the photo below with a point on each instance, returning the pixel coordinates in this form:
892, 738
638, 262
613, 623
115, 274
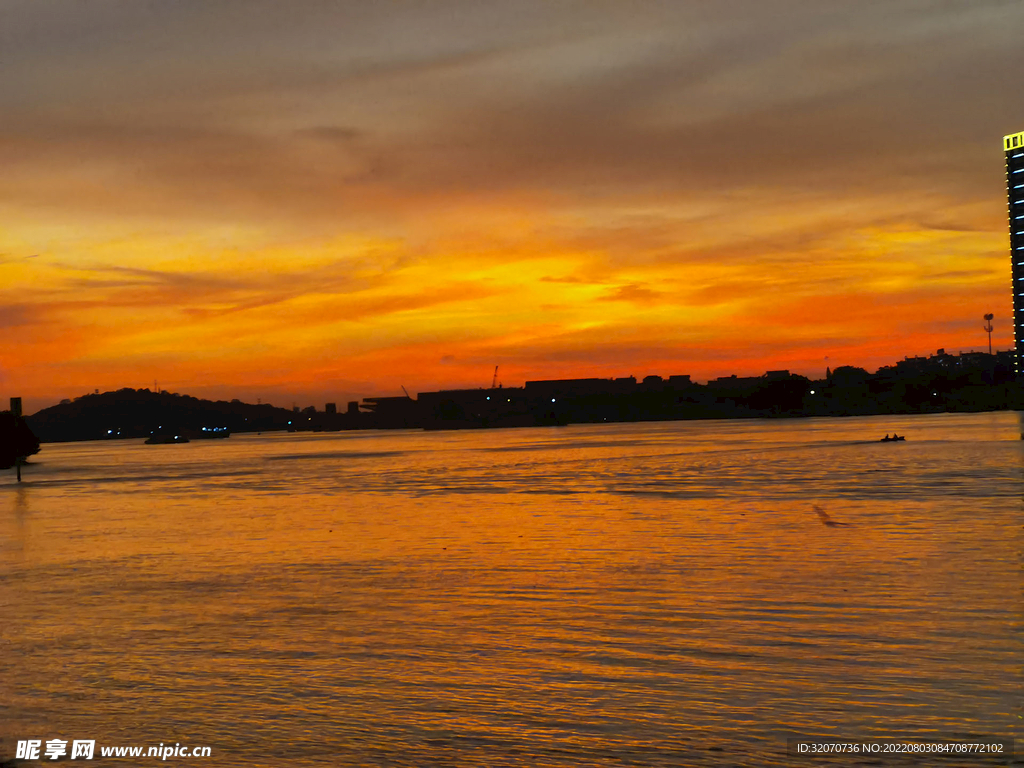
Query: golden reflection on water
571, 596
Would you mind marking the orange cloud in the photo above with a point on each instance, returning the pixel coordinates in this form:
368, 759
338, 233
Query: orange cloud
326, 203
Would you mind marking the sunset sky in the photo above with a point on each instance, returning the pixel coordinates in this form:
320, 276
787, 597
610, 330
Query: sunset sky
320, 201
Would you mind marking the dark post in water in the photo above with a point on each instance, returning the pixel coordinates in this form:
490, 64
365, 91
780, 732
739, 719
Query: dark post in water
16, 410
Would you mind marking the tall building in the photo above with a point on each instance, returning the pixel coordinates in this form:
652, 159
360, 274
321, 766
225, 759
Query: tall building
1013, 146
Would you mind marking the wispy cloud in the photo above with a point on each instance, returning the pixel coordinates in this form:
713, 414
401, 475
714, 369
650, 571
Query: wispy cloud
416, 190
632, 292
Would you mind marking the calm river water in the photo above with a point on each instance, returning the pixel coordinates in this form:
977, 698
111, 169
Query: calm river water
632, 594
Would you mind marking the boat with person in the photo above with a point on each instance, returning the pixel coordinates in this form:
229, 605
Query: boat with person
894, 439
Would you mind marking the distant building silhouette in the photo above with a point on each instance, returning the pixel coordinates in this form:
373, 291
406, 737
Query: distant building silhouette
735, 382
1013, 146
967, 381
393, 412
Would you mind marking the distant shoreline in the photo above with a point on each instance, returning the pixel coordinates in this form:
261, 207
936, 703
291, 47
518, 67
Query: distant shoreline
941, 383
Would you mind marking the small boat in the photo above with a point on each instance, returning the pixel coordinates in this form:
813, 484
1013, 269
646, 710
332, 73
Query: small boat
166, 439
893, 439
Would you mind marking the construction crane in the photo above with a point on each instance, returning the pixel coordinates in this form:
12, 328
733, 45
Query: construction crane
405, 390
494, 379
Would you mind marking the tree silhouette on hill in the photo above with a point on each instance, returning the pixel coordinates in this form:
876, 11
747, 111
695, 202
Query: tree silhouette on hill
16, 439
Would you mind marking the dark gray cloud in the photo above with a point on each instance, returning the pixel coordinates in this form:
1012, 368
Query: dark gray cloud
17, 315
335, 111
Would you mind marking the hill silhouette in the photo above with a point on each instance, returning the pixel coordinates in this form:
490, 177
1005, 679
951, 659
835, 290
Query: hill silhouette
140, 413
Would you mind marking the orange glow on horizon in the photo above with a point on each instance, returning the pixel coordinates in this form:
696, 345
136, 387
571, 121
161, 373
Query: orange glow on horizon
317, 227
